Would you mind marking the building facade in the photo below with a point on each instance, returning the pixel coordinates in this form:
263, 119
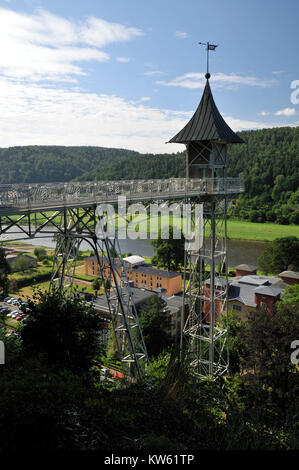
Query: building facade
249, 292
140, 274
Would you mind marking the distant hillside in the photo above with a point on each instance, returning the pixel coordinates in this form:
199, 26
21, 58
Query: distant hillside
39, 164
140, 166
268, 164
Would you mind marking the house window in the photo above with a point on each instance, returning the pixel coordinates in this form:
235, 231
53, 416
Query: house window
237, 308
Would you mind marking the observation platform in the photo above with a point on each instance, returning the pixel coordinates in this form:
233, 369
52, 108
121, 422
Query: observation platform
24, 198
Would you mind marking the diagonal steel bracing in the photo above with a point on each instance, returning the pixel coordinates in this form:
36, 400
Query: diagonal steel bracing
204, 336
69, 211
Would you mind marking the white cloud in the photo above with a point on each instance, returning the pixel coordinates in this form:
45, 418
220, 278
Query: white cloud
264, 113
286, 112
197, 80
152, 73
98, 32
43, 46
123, 60
181, 34
150, 65
241, 125
35, 114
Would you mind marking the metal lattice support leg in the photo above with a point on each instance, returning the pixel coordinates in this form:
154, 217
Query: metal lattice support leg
122, 308
66, 252
64, 265
205, 329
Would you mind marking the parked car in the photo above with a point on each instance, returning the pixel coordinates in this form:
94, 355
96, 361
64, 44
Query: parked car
24, 304
4, 310
15, 314
117, 376
6, 299
10, 301
20, 317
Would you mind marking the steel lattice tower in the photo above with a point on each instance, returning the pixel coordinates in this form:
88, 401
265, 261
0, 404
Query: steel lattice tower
122, 310
204, 324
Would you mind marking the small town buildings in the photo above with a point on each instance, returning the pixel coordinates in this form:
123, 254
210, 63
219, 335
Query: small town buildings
249, 292
245, 269
139, 274
173, 308
289, 277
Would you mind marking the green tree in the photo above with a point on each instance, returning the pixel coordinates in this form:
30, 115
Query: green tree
13, 285
237, 348
21, 263
4, 271
282, 254
154, 322
40, 253
113, 252
107, 284
267, 339
169, 253
290, 297
96, 285
64, 331
39, 407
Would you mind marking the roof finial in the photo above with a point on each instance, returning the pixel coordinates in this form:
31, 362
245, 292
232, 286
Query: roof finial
210, 47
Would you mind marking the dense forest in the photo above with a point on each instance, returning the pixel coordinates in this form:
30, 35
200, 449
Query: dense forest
54, 397
267, 162
43, 164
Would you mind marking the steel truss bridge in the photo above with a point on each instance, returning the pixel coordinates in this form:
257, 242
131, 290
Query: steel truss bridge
69, 211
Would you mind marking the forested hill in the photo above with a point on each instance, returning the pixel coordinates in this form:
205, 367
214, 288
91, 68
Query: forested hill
41, 164
269, 166
142, 166
268, 163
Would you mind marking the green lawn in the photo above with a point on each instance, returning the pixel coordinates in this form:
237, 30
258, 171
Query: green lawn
237, 229
242, 230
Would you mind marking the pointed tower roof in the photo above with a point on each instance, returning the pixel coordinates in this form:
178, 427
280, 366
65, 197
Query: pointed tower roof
207, 123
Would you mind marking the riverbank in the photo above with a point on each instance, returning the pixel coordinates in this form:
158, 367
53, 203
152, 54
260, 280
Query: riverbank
236, 229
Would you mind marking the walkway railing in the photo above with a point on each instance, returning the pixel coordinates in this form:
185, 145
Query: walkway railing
45, 195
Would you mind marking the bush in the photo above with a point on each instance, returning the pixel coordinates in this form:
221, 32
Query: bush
294, 218
35, 278
21, 263
13, 285
282, 220
40, 253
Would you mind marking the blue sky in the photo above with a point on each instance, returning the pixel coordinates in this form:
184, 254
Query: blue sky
130, 74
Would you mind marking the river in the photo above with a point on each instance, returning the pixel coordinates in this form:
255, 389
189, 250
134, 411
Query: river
239, 251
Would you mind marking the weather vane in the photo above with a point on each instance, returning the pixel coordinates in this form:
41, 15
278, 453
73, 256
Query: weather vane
210, 47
